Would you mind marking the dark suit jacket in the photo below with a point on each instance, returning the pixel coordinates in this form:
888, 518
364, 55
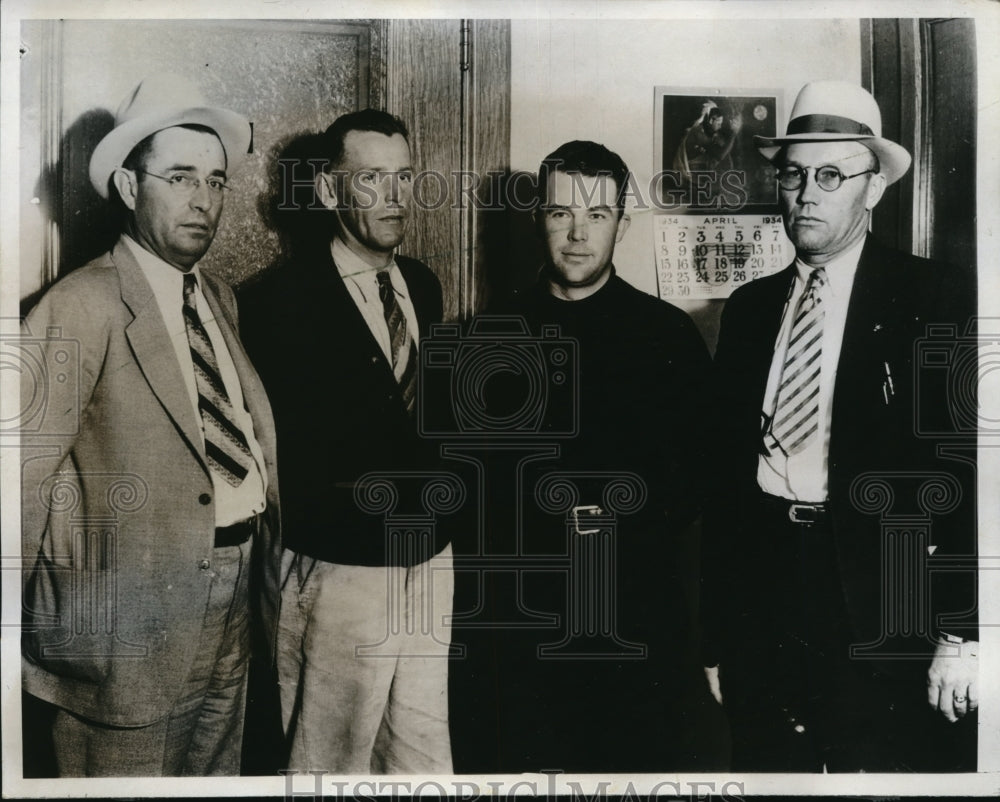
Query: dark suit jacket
118, 520
894, 299
337, 404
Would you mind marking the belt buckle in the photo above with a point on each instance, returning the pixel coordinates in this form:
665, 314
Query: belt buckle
591, 509
794, 510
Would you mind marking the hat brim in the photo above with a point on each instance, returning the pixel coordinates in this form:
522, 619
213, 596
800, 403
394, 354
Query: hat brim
232, 129
894, 160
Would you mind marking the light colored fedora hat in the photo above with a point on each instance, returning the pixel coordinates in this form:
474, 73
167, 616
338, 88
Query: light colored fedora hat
158, 102
831, 111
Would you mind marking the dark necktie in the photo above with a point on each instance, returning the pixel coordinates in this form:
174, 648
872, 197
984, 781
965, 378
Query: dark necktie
796, 410
402, 347
225, 444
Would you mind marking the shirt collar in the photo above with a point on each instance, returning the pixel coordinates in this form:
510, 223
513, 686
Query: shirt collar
351, 266
839, 271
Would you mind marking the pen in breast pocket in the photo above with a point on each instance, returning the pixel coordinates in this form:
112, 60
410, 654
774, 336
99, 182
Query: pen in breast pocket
888, 389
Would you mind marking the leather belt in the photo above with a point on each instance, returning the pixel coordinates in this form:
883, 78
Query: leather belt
796, 512
238, 533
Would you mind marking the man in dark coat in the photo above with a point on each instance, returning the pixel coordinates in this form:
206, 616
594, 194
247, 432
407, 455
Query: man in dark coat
829, 618
606, 677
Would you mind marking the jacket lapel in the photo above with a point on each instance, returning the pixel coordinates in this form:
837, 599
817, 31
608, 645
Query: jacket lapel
869, 328
421, 304
154, 354
770, 313
346, 312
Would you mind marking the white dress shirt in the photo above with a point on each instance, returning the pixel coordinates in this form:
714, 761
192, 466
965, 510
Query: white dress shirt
232, 504
803, 476
361, 282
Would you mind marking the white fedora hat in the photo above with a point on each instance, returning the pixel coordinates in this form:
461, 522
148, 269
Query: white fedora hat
158, 102
830, 111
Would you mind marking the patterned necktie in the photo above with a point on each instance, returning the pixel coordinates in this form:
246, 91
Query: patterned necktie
403, 349
225, 444
796, 411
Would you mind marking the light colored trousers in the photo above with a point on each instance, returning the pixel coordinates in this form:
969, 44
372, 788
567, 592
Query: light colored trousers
363, 665
203, 734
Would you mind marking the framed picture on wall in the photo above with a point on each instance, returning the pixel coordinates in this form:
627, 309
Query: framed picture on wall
706, 159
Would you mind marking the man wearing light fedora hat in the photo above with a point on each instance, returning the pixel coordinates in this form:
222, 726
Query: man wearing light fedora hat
837, 592
150, 514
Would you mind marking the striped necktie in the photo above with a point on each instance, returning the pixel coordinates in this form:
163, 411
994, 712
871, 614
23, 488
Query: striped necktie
796, 410
225, 444
403, 349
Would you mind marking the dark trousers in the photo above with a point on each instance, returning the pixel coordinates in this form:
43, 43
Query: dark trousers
796, 699
563, 689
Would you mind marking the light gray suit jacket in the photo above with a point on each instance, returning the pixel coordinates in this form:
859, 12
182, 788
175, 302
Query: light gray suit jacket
118, 515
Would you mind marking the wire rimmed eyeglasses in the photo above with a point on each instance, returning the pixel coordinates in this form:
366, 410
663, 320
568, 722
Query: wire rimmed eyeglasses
828, 177
187, 184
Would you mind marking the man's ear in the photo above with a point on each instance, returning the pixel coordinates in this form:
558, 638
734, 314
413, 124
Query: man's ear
876, 188
326, 190
127, 185
623, 223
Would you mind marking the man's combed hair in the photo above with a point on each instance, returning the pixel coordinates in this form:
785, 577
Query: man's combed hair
365, 120
583, 157
139, 155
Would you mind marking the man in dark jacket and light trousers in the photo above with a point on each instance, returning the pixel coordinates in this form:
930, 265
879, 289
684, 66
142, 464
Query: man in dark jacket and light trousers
364, 638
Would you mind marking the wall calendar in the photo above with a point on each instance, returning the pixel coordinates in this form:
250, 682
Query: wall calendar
701, 257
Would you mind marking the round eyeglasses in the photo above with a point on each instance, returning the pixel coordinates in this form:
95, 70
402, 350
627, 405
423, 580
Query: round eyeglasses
828, 177
187, 184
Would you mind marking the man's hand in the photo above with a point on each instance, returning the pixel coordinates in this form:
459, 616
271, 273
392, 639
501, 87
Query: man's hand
952, 679
712, 675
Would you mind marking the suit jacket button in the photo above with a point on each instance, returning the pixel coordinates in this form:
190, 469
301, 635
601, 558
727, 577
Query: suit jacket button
205, 499
374, 360
204, 565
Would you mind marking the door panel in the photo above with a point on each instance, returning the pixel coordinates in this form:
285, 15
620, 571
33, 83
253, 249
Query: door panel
288, 78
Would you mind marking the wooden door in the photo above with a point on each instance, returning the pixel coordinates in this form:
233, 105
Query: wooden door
923, 75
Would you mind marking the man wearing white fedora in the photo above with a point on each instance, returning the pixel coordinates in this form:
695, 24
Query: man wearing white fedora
149, 493
838, 595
